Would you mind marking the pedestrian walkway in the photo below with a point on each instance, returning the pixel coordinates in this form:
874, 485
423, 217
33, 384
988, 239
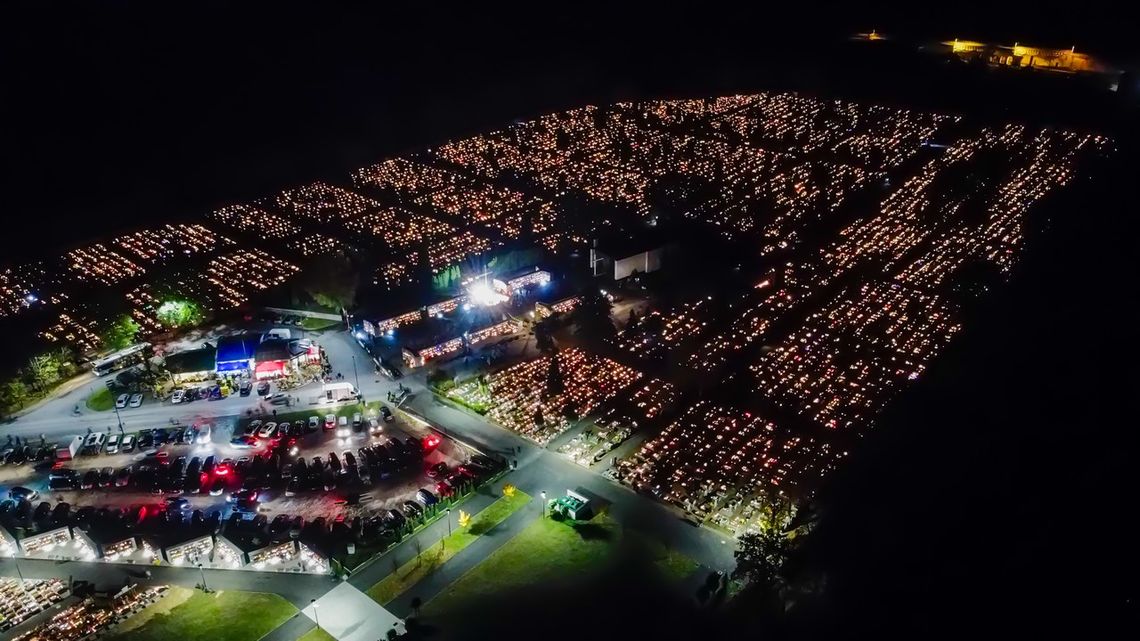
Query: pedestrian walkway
348, 614
461, 563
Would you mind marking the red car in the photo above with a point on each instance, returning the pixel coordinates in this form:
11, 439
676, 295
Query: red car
443, 488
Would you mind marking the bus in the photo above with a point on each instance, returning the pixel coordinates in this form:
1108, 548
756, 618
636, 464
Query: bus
123, 358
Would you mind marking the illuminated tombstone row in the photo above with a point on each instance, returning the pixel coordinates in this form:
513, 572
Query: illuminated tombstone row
22, 599
24, 287
522, 402
405, 175
711, 454
171, 241
74, 328
58, 543
848, 359
256, 221
99, 264
314, 245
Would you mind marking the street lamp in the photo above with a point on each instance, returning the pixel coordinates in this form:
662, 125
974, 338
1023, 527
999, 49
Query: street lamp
449, 522
205, 588
543, 493
356, 375
316, 619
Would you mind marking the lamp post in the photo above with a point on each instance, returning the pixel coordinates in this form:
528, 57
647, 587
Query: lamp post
543, 494
316, 619
356, 375
449, 522
117, 417
205, 588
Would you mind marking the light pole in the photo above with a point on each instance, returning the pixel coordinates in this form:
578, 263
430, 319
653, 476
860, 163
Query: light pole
205, 588
356, 375
448, 522
117, 417
543, 493
316, 619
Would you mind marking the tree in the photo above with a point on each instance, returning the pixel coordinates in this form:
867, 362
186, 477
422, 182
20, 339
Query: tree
65, 356
14, 395
592, 316
464, 519
179, 313
42, 371
544, 336
554, 383
509, 490
120, 332
760, 557
447, 279
332, 281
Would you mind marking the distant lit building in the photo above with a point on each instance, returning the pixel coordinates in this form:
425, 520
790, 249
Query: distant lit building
1065, 60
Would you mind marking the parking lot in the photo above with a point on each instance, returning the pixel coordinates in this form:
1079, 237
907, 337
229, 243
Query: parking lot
355, 475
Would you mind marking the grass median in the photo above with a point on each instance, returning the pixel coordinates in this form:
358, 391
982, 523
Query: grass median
101, 400
219, 616
439, 553
316, 634
318, 324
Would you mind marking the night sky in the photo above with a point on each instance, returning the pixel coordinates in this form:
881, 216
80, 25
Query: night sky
997, 497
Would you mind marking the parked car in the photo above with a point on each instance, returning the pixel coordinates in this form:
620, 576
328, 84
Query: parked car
387, 414
146, 439
178, 395
122, 400
413, 509
314, 422
426, 497
330, 421
245, 388
136, 400
395, 519
267, 430
178, 503
374, 426
263, 388
439, 470
123, 476
204, 433
89, 480
19, 493
128, 444
112, 446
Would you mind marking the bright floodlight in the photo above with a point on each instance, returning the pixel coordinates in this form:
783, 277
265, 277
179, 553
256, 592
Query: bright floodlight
481, 293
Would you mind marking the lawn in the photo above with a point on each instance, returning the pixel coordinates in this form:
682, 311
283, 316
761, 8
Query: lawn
545, 550
316, 634
549, 550
437, 554
318, 324
221, 616
101, 400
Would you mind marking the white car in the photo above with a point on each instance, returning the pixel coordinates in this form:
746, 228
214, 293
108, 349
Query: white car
374, 426
121, 402
267, 430
204, 434
177, 396
112, 444
314, 422
136, 400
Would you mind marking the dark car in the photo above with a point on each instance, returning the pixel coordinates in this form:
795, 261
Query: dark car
413, 509
245, 388
437, 471
62, 483
426, 497
263, 388
334, 463
395, 519
146, 439
208, 464
387, 414
89, 480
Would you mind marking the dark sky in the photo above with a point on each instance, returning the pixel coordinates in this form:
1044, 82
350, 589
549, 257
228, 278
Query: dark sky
121, 114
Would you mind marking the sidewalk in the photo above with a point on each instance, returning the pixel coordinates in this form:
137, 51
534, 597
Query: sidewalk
465, 560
